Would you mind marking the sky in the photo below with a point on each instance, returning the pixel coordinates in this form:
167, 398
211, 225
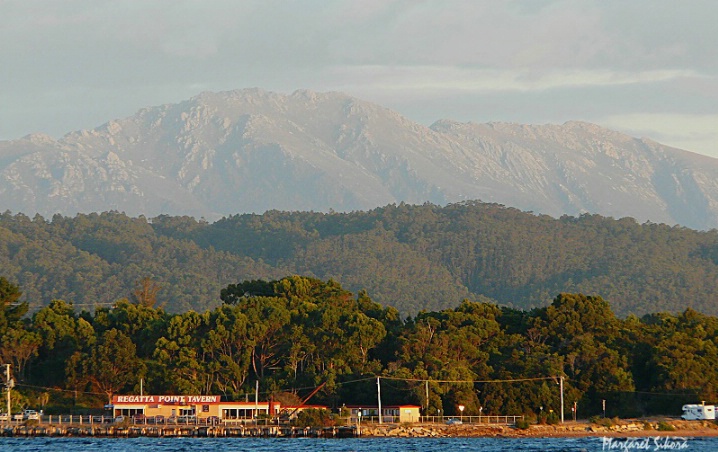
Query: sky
648, 68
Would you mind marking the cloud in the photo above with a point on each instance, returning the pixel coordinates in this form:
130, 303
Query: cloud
451, 78
78, 63
697, 133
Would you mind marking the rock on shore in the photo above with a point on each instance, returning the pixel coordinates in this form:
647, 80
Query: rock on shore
581, 428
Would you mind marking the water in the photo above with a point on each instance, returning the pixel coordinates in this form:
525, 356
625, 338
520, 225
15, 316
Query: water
355, 445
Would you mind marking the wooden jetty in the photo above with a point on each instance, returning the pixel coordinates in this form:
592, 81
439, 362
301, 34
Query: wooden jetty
177, 431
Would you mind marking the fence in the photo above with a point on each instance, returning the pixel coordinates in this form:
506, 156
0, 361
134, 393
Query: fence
484, 419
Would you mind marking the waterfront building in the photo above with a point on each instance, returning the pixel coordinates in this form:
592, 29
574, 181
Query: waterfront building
190, 407
389, 413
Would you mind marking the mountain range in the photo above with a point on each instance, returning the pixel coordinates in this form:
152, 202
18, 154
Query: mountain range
250, 150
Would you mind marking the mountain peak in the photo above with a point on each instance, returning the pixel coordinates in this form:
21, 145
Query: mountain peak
251, 150
39, 138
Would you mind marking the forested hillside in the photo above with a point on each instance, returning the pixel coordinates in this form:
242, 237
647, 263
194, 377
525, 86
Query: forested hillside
296, 333
410, 257
94, 260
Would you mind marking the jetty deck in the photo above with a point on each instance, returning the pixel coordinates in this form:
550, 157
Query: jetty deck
133, 431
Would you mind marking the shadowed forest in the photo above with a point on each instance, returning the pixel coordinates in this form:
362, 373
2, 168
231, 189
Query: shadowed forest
296, 333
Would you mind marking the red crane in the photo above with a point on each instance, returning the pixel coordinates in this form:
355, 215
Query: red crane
304, 402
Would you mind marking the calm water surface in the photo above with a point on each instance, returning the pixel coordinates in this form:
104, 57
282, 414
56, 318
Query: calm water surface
358, 445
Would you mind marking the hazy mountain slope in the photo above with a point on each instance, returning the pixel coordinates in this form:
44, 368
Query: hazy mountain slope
48, 177
251, 151
579, 167
409, 257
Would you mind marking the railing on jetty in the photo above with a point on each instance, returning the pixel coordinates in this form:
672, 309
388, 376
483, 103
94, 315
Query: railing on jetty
87, 425
107, 426
76, 419
67, 419
169, 431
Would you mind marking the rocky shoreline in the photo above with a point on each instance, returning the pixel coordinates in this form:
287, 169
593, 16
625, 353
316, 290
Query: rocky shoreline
624, 428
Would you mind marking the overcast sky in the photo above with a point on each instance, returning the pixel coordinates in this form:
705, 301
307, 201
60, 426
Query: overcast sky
645, 67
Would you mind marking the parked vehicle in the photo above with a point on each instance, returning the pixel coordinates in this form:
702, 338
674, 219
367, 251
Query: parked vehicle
30, 415
454, 421
4, 417
17, 417
693, 412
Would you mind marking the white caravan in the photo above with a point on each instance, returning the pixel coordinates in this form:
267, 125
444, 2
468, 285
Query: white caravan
698, 412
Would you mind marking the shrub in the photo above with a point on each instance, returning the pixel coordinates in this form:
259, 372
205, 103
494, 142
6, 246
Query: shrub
552, 418
602, 421
522, 424
665, 427
314, 418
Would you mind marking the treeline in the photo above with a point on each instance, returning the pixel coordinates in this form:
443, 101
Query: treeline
296, 333
410, 257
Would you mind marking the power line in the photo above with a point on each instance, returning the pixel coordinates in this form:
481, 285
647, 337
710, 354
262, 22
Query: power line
46, 388
509, 380
94, 304
356, 381
60, 390
668, 394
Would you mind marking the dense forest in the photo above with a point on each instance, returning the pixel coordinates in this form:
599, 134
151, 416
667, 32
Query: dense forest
295, 333
409, 257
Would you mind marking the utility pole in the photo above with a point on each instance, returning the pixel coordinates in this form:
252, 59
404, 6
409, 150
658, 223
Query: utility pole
426, 413
561, 383
256, 401
10, 384
378, 396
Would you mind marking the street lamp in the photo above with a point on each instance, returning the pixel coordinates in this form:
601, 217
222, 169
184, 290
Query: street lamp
439, 413
359, 422
575, 410
461, 408
480, 408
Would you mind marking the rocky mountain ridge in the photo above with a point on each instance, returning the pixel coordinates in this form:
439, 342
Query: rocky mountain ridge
250, 150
